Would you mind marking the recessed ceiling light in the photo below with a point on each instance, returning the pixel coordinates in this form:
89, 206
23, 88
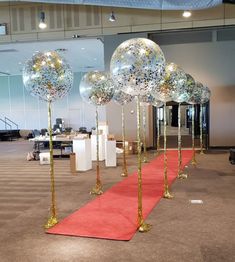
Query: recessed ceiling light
186, 14
83, 48
95, 58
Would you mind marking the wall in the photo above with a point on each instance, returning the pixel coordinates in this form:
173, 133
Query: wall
31, 113
213, 65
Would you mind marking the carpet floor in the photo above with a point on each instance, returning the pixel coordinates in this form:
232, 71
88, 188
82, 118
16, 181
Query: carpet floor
181, 231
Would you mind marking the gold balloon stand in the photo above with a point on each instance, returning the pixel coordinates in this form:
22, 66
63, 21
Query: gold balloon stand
158, 133
142, 226
53, 219
201, 131
181, 175
166, 193
145, 158
124, 165
97, 189
193, 162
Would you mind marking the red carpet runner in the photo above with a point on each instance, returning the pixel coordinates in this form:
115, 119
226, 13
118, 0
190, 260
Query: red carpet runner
113, 215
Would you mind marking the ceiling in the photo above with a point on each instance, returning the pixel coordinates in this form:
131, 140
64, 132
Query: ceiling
82, 54
152, 4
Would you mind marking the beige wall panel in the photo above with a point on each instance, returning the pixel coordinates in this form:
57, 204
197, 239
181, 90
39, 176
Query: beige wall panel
177, 25
5, 38
4, 14
206, 23
229, 11
51, 35
116, 30
127, 16
142, 28
174, 16
230, 21
24, 37
82, 16
212, 13
84, 32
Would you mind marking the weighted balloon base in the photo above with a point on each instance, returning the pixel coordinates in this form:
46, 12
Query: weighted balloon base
167, 195
96, 190
145, 160
202, 153
124, 174
144, 228
182, 176
51, 222
194, 163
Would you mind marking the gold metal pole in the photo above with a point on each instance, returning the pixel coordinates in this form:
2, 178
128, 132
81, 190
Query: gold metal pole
145, 159
97, 189
166, 193
124, 166
201, 131
158, 132
143, 227
180, 172
53, 219
194, 162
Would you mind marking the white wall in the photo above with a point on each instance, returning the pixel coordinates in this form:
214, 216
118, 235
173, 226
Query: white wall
30, 113
213, 65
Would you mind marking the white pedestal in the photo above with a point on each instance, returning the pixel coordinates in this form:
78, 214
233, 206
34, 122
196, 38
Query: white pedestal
101, 147
44, 158
110, 153
105, 129
82, 149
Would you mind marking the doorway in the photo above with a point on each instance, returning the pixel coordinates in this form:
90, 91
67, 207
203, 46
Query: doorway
186, 125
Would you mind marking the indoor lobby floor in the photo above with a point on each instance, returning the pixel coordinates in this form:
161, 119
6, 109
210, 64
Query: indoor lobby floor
181, 232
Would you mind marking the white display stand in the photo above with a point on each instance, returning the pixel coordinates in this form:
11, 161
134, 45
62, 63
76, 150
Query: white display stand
101, 147
44, 158
82, 149
110, 153
105, 128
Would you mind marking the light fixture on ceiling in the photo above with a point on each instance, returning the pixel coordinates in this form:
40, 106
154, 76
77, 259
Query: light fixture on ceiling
42, 23
112, 17
186, 14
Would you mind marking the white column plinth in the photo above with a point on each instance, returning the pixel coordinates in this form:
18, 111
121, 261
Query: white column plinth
110, 153
101, 147
82, 149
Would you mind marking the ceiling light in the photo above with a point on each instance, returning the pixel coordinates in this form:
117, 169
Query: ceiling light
112, 17
186, 14
42, 24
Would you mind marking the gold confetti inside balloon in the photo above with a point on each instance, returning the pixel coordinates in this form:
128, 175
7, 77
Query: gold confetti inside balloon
96, 88
172, 87
137, 66
122, 98
47, 75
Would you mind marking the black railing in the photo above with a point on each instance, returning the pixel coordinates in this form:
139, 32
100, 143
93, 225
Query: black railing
9, 120
6, 124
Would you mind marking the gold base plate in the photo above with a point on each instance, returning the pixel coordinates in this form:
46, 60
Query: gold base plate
145, 160
167, 195
124, 175
51, 222
97, 190
144, 228
182, 176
